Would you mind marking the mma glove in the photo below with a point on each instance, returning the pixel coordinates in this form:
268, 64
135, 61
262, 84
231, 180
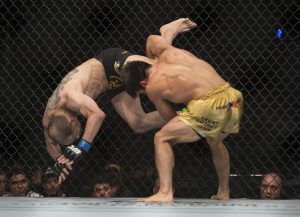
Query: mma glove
75, 152
58, 168
72, 152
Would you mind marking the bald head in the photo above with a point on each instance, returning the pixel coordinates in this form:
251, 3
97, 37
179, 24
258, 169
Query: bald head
270, 186
63, 130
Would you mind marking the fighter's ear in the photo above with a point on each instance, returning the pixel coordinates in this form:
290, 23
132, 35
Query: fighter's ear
144, 83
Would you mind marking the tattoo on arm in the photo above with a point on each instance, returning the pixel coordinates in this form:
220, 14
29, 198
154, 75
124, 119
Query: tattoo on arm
55, 98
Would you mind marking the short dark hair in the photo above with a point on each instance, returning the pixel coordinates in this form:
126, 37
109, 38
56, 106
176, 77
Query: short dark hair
16, 170
49, 173
106, 178
63, 129
133, 72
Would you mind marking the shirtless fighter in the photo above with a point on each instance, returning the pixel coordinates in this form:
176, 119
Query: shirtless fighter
76, 93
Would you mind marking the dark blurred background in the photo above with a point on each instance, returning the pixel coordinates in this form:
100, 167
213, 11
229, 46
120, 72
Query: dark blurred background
43, 40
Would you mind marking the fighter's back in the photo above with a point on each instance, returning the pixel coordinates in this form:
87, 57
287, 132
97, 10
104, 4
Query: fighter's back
182, 76
88, 78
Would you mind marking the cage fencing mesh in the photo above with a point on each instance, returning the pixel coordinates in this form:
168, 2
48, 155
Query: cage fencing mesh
41, 41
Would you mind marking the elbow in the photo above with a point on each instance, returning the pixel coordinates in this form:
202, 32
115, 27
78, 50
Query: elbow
138, 127
139, 130
99, 115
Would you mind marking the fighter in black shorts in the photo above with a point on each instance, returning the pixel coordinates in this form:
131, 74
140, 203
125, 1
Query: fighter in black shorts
76, 93
113, 60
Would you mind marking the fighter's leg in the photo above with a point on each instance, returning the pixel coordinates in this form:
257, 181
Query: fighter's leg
175, 131
170, 30
221, 161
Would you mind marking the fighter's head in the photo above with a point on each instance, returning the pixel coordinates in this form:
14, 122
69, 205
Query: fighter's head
133, 74
64, 128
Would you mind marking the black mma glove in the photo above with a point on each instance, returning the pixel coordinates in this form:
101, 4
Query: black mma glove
58, 168
75, 152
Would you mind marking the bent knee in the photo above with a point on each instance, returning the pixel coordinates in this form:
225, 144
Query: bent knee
218, 141
161, 137
158, 137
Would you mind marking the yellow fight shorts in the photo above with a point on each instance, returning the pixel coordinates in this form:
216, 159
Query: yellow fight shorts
219, 110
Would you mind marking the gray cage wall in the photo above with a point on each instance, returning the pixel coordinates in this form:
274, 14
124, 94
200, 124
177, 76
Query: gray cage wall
43, 40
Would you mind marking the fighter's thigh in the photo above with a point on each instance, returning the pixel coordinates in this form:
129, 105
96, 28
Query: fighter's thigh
176, 131
217, 140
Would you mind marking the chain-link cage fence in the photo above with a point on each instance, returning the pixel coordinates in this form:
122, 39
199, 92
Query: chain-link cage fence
41, 41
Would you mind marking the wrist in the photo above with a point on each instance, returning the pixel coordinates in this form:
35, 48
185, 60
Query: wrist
56, 157
84, 145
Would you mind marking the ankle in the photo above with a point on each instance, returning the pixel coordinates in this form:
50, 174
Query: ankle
166, 191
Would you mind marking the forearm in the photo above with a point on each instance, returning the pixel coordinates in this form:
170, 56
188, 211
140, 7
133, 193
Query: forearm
54, 150
92, 127
151, 120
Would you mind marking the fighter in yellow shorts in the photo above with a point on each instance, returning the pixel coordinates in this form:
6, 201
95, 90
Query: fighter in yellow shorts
214, 108
217, 111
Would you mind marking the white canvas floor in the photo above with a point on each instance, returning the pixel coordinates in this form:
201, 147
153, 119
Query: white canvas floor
131, 207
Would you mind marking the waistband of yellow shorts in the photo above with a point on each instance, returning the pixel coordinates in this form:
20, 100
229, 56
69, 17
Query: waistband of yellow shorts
216, 90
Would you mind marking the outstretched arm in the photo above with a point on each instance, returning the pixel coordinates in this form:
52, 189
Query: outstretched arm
131, 111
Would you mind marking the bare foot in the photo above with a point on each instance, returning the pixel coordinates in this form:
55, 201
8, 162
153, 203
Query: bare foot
178, 26
220, 196
159, 198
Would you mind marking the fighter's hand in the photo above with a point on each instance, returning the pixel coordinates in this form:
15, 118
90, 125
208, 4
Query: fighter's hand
75, 152
72, 154
63, 167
